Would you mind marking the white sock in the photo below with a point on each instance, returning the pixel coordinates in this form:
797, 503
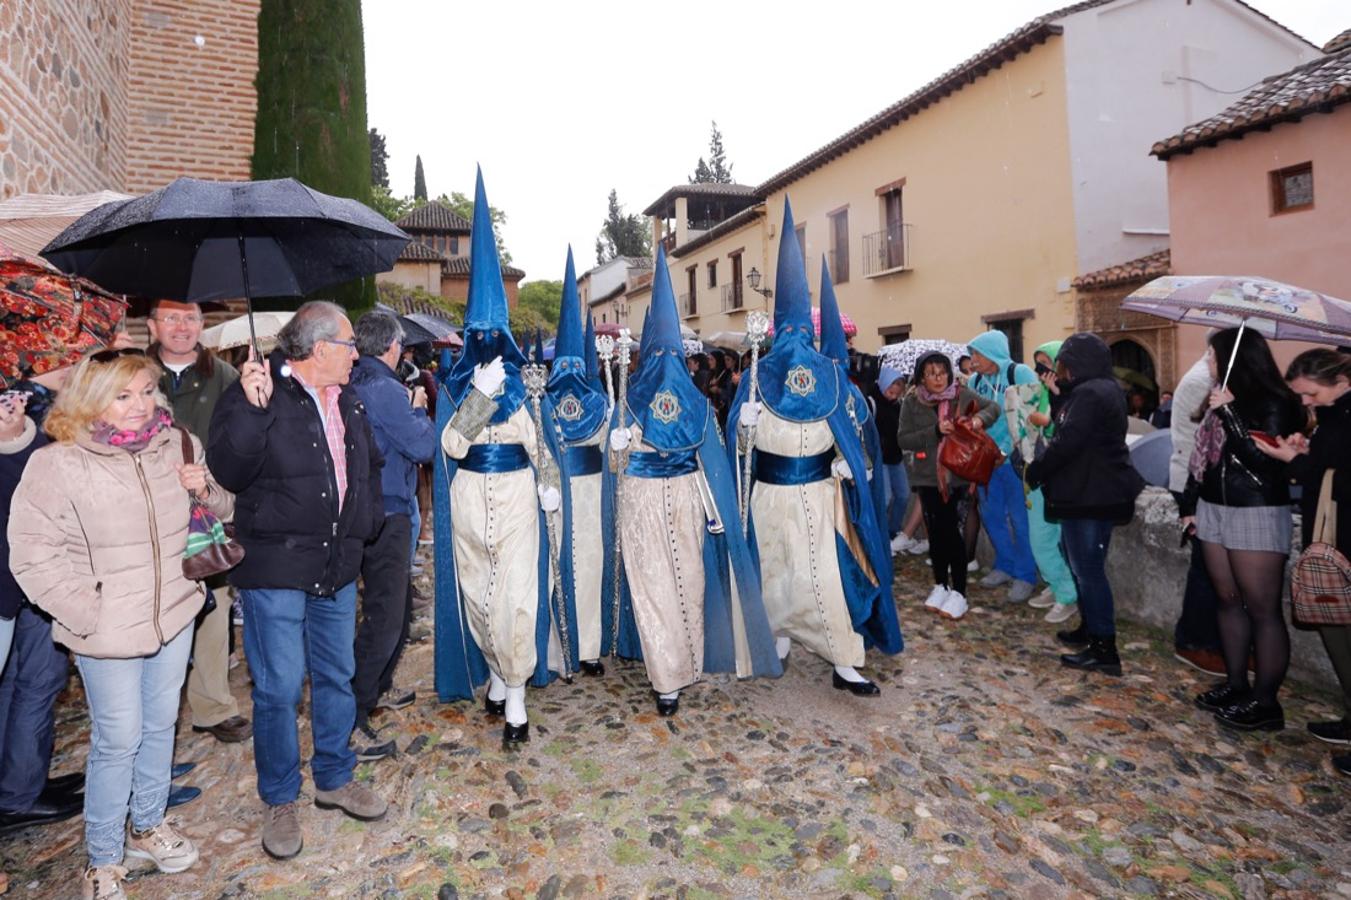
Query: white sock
516, 705
783, 645
674, 695
497, 688
849, 674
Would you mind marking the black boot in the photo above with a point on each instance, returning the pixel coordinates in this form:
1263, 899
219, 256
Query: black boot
494, 707
592, 668
666, 707
1100, 656
515, 734
1076, 638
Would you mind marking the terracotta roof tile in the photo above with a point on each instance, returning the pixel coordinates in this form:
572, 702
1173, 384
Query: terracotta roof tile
702, 190
1137, 270
1340, 42
459, 265
434, 216
1315, 86
416, 251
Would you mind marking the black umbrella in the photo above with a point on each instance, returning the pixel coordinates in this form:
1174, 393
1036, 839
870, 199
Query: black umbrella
196, 241
438, 327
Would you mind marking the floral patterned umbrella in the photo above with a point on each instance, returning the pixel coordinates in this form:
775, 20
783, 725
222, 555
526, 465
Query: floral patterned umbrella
49, 320
904, 355
850, 329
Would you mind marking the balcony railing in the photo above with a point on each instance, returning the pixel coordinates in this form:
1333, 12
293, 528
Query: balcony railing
687, 305
887, 251
732, 297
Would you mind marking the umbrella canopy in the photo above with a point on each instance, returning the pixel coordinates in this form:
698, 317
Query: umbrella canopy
905, 355
1130, 378
452, 341
413, 333
196, 240
235, 333
1277, 311
438, 327
735, 341
1150, 454
29, 221
49, 320
610, 328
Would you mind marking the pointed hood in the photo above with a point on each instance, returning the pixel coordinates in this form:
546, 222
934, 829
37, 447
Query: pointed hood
578, 407
539, 346
796, 382
592, 357
662, 396
487, 332
835, 345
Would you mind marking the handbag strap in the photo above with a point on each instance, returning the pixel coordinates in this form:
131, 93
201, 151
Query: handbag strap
187, 444
1325, 519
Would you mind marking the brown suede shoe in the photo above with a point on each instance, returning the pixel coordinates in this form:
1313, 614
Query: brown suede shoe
281, 831
355, 799
231, 731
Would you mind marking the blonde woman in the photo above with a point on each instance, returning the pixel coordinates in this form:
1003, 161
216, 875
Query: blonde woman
97, 532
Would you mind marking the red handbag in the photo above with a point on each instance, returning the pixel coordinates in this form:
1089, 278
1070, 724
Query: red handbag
969, 454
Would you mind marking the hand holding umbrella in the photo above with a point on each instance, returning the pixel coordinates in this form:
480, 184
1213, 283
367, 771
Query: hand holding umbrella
256, 380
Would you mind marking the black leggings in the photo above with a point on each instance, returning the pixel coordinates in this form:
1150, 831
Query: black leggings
1248, 584
947, 545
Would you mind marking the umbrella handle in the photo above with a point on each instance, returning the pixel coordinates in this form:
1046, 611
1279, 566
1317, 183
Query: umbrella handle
1233, 354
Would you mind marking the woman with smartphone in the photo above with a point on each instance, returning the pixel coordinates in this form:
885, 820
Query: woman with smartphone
1238, 502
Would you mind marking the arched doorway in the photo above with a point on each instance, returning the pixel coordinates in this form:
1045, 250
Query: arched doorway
1135, 372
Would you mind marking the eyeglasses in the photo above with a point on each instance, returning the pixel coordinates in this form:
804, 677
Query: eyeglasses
107, 356
175, 319
350, 345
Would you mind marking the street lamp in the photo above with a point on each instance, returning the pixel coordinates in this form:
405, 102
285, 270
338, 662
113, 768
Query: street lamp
754, 279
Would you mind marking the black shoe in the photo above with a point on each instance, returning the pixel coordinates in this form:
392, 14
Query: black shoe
494, 707
1342, 764
178, 796
515, 734
863, 688
1338, 732
1099, 656
64, 784
369, 747
593, 668
1076, 638
181, 769
1222, 696
666, 707
41, 813
1250, 715
395, 699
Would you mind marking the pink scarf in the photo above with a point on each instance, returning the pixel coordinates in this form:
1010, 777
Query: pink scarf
133, 441
1209, 446
943, 399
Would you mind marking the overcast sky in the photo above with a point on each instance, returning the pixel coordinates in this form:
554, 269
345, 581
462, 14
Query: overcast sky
560, 102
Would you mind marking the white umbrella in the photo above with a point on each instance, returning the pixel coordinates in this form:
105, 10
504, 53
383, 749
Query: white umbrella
904, 355
235, 333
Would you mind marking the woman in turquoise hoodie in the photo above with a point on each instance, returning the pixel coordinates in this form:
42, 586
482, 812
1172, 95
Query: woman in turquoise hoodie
1028, 411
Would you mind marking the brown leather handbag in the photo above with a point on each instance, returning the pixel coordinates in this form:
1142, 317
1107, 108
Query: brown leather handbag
969, 454
212, 547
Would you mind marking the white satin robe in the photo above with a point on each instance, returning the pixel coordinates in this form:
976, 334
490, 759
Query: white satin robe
588, 554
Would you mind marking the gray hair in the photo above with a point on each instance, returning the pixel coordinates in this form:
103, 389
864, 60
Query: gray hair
315, 321
376, 330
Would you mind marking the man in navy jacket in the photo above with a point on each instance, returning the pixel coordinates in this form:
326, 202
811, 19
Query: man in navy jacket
406, 437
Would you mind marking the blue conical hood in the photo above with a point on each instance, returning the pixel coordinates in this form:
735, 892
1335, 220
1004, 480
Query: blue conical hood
577, 403
792, 299
539, 346
833, 341
568, 342
661, 328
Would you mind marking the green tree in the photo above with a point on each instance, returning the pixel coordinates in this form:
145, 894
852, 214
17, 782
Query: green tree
622, 235
542, 297
419, 182
387, 205
464, 207
379, 161
311, 115
716, 170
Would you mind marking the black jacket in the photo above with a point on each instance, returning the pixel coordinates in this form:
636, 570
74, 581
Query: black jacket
1244, 475
1085, 471
277, 464
888, 413
1329, 448
11, 471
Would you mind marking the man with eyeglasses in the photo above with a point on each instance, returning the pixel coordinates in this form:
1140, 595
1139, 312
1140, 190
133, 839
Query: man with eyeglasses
193, 382
293, 442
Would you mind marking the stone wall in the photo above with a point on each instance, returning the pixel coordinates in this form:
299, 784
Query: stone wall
1148, 572
63, 95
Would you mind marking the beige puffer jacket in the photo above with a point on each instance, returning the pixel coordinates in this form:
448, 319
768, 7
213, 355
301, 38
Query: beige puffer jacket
96, 537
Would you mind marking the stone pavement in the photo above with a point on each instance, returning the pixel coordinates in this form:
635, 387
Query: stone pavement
984, 769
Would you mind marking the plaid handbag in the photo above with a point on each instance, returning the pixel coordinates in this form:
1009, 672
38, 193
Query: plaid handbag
1320, 585
211, 548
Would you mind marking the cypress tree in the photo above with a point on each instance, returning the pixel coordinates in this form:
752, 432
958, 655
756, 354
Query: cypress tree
419, 182
311, 120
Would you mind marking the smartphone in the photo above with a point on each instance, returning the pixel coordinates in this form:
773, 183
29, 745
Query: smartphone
1264, 438
1187, 533
1043, 369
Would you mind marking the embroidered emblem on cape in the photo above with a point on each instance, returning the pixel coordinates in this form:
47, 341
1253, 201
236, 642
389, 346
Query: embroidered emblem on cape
665, 406
570, 408
800, 381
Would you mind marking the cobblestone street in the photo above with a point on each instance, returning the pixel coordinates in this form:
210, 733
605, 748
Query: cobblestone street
984, 769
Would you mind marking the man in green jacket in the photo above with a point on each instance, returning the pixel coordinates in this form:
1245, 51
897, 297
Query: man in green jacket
193, 381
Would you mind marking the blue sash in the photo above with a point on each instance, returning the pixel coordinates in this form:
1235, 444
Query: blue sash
582, 460
772, 468
487, 459
663, 465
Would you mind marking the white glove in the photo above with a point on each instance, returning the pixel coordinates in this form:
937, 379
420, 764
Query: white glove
488, 377
620, 439
840, 469
750, 414
549, 498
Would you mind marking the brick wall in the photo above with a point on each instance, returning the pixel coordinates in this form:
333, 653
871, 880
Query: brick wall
63, 97
191, 108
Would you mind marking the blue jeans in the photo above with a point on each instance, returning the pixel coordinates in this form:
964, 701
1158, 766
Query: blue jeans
133, 708
897, 484
1086, 542
277, 625
6, 638
1003, 512
36, 674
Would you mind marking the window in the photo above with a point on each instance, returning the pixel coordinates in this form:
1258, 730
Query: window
894, 334
1013, 330
839, 246
801, 232
894, 242
455, 246
692, 277
713, 274
1292, 188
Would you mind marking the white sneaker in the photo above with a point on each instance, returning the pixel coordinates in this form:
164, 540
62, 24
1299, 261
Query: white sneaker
918, 548
954, 607
901, 543
973, 566
1062, 612
937, 597
1044, 600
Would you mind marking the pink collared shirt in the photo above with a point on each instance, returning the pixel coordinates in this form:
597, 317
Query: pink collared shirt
335, 431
